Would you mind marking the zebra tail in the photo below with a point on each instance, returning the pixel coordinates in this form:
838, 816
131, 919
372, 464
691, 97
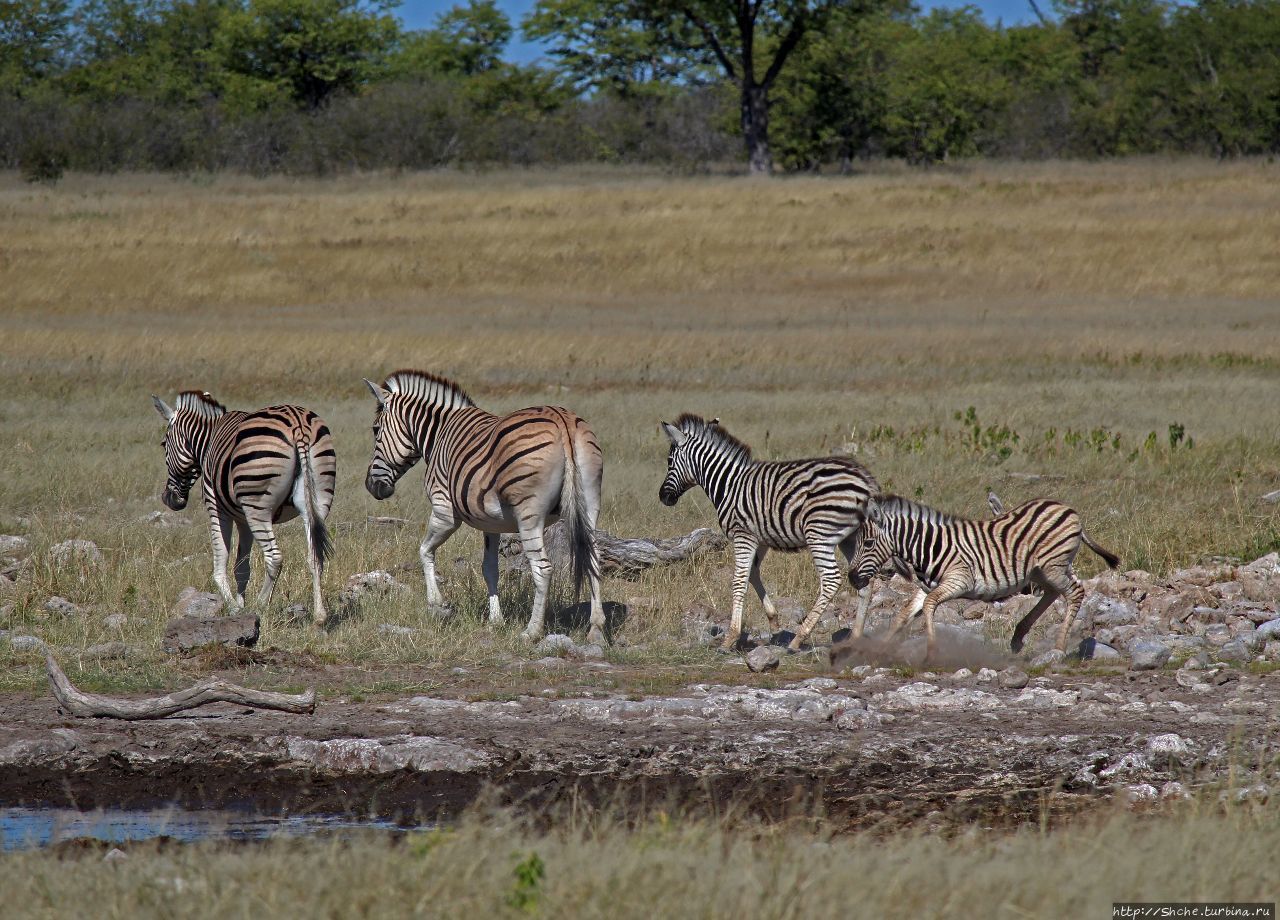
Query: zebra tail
317, 533
582, 545
1110, 558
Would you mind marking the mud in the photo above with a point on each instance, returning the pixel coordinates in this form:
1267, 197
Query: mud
860, 751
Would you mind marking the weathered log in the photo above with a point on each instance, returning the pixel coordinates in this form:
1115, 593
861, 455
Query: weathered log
621, 556
210, 690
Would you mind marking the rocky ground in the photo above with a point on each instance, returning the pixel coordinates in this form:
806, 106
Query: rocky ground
1169, 689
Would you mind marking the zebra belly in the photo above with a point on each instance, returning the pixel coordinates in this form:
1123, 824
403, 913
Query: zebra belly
996, 592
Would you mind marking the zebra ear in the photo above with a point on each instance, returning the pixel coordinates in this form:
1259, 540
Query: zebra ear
674, 434
378, 392
162, 408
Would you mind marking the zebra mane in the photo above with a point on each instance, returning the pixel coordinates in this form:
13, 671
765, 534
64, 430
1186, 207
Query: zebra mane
897, 506
201, 403
432, 388
714, 434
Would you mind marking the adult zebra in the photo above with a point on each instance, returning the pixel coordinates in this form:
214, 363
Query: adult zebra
513, 473
786, 505
1030, 546
259, 468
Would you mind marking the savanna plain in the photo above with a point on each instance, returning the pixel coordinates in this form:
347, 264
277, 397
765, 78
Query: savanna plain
1107, 334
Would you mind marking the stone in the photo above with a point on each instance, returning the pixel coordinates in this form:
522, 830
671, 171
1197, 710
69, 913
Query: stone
13, 546
163, 519
110, 651
194, 603
115, 621
550, 663
62, 606
1174, 790
1237, 650
986, 675
974, 611
1268, 631
819, 683
186, 633
763, 658
593, 652
372, 584
1093, 650
1187, 677
1272, 497
115, 855
296, 613
556, 644
1048, 659
1147, 655
962, 674
26, 643
1013, 678
1100, 610
391, 629
1218, 634
82, 552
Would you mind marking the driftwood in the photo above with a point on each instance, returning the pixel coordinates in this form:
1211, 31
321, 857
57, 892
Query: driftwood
210, 690
622, 556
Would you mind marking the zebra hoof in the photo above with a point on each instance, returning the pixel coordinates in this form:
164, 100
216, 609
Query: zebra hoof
595, 636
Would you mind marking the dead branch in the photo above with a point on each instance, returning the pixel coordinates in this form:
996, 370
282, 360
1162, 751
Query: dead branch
210, 690
621, 556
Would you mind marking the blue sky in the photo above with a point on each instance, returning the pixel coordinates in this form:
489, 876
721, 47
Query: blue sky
420, 14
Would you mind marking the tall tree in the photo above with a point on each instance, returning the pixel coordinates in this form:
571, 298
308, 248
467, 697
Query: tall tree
33, 34
749, 41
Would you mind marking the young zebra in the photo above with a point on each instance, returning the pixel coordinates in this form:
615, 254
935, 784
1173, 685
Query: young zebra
259, 468
785, 505
500, 474
1032, 545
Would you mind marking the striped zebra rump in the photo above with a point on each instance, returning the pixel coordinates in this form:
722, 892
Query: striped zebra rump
259, 468
513, 473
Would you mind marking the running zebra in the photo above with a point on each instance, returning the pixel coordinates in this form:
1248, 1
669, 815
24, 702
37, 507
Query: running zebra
1030, 546
259, 468
786, 505
514, 473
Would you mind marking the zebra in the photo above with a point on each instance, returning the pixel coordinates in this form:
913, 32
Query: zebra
786, 505
1030, 546
259, 468
515, 473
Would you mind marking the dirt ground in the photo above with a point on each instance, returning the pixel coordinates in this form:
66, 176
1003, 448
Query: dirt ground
865, 750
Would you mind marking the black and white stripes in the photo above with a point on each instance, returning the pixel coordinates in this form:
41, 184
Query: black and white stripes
785, 505
1032, 545
513, 473
259, 468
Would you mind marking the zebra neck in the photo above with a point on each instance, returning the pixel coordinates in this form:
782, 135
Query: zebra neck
199, 434
435, 418
718, 476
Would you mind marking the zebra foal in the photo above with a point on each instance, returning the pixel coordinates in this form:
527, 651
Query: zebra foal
1030, 546
513, 473
259, 468
787, 505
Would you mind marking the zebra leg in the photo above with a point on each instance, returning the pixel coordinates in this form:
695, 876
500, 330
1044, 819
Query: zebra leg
849, 548
744, 554
490, 568
770, 611
220, 533
824, 559
440, 527
957, 585
1050, 595
265, 535
540, 569
1074, 595
907, 613
244, 546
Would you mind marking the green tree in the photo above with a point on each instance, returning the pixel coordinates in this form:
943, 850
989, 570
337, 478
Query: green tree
749, 41
303, 50
34, 35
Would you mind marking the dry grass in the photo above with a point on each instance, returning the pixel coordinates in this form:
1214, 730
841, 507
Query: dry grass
495, 867
807, 313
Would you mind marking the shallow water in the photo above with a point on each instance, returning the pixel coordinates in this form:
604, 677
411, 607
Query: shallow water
27, 828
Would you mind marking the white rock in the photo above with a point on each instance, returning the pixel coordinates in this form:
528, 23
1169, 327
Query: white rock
986, 675
115, 621
1141, 792
1268, 630
763, 658
26, 643
556, 644
377, 583
62, 606
391, 629
84, 552
13, 546
818, 683
1048, 659
1148, 656
962, 674
1174, 790
194, 603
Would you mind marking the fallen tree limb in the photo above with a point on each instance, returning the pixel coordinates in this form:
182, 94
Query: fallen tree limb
622, 556
210, 690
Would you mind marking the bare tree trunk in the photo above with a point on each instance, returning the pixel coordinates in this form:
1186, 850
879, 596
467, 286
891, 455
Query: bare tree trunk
755, 128
210, 690
621, 556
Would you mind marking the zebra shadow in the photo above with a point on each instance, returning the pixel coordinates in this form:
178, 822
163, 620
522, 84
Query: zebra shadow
578, 617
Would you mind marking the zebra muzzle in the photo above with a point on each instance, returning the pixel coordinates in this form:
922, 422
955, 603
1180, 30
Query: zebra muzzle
379, 488
173, 500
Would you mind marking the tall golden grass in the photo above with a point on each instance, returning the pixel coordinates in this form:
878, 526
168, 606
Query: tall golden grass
1069, 303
